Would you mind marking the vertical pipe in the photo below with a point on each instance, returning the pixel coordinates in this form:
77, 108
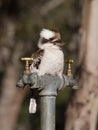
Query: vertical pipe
47, 107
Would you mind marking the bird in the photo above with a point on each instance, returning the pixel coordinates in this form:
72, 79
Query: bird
49, 58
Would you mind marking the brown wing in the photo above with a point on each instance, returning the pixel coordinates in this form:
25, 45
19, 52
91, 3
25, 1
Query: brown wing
37, 58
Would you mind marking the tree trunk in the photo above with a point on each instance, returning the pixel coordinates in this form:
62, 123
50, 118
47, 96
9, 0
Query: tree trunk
83, 107
11, 97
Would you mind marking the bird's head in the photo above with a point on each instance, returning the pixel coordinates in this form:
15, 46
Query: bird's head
49, 38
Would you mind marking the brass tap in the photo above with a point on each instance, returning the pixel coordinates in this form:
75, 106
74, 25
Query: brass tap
27, 60
69, 67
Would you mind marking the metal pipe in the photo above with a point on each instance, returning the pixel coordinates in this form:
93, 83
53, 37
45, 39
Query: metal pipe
47, 87
47, 112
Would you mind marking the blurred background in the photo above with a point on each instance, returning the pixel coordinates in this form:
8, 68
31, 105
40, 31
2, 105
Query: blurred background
20, 24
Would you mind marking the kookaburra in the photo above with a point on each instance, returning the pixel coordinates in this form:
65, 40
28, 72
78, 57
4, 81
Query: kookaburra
49, 59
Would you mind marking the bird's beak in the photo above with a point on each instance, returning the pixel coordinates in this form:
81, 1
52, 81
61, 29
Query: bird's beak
60, 43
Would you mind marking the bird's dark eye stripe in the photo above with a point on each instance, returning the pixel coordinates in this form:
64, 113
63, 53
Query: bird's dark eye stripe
44, 40
59, 41
51, 39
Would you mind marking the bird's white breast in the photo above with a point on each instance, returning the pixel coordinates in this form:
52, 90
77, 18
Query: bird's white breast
52, 62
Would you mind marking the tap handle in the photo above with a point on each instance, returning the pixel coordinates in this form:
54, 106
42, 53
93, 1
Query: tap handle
27, 60
69, 67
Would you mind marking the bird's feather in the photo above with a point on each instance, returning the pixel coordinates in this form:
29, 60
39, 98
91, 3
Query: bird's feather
37, 58
47, 34
49, 59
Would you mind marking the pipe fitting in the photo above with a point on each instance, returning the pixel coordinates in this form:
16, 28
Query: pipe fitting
71, 82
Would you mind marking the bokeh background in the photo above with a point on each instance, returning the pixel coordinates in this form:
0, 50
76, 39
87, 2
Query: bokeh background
20, 24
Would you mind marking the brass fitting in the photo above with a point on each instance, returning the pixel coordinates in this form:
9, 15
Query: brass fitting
27, 60
69, 67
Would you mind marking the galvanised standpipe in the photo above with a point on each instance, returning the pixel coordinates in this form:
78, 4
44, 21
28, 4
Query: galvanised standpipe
47, 87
